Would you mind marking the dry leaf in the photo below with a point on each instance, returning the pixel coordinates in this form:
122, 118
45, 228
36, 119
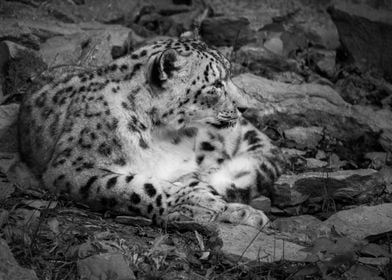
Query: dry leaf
6, 188
17, 235
200, 240
204, 256
4, 214
25, 217
40, 204
54, 224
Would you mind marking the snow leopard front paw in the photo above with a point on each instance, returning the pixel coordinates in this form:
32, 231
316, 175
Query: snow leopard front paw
200, 204
237, 213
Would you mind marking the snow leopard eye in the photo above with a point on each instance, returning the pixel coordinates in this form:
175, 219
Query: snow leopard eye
218, 84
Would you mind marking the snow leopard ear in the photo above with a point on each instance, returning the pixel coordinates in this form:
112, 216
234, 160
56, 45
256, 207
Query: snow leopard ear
165, 67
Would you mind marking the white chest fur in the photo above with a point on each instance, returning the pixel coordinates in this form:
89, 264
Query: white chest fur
170, 161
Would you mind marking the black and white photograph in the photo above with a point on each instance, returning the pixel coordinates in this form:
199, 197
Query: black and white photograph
195, 139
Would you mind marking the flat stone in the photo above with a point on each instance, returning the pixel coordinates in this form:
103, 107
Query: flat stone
291, 152
261, 203
360, 222
297, 228
374, 261
107, 266
89, 48
275, 45
375, 250
265, 248
305, 137
265, 63
359, 185
313, 163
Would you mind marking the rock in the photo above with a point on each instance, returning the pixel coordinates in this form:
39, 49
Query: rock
335, 163
375, 250
320, 155
313, 163
94, 10
310, 16
5, 56
293, 99
9, 50
323, 62
277, 211
9, 268
8, 128
89, 48
316, 105
226, 51
265, 248
105, 266
290, 152
23, 10
386, 173
69, 47
354, 185
166, 22
374, 261
30, 33
226, 31
64, 50
378, 159
377, 121
363, 88
363, 272
21, 70
360, 222
262, 62
294, 39
275, 45
262, 203
305, 137
298, 228
365, 33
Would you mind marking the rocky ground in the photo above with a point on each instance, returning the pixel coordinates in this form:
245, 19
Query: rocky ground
318, 78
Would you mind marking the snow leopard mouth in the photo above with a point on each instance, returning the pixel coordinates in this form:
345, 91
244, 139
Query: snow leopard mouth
223, 123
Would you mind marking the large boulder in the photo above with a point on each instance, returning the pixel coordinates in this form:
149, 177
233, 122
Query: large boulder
366, 33
318, 105
359, 222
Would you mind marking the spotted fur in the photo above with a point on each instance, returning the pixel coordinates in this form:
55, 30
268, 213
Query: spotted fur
156, 133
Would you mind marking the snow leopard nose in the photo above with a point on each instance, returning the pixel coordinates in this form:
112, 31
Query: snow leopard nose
242, 109
228, 111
